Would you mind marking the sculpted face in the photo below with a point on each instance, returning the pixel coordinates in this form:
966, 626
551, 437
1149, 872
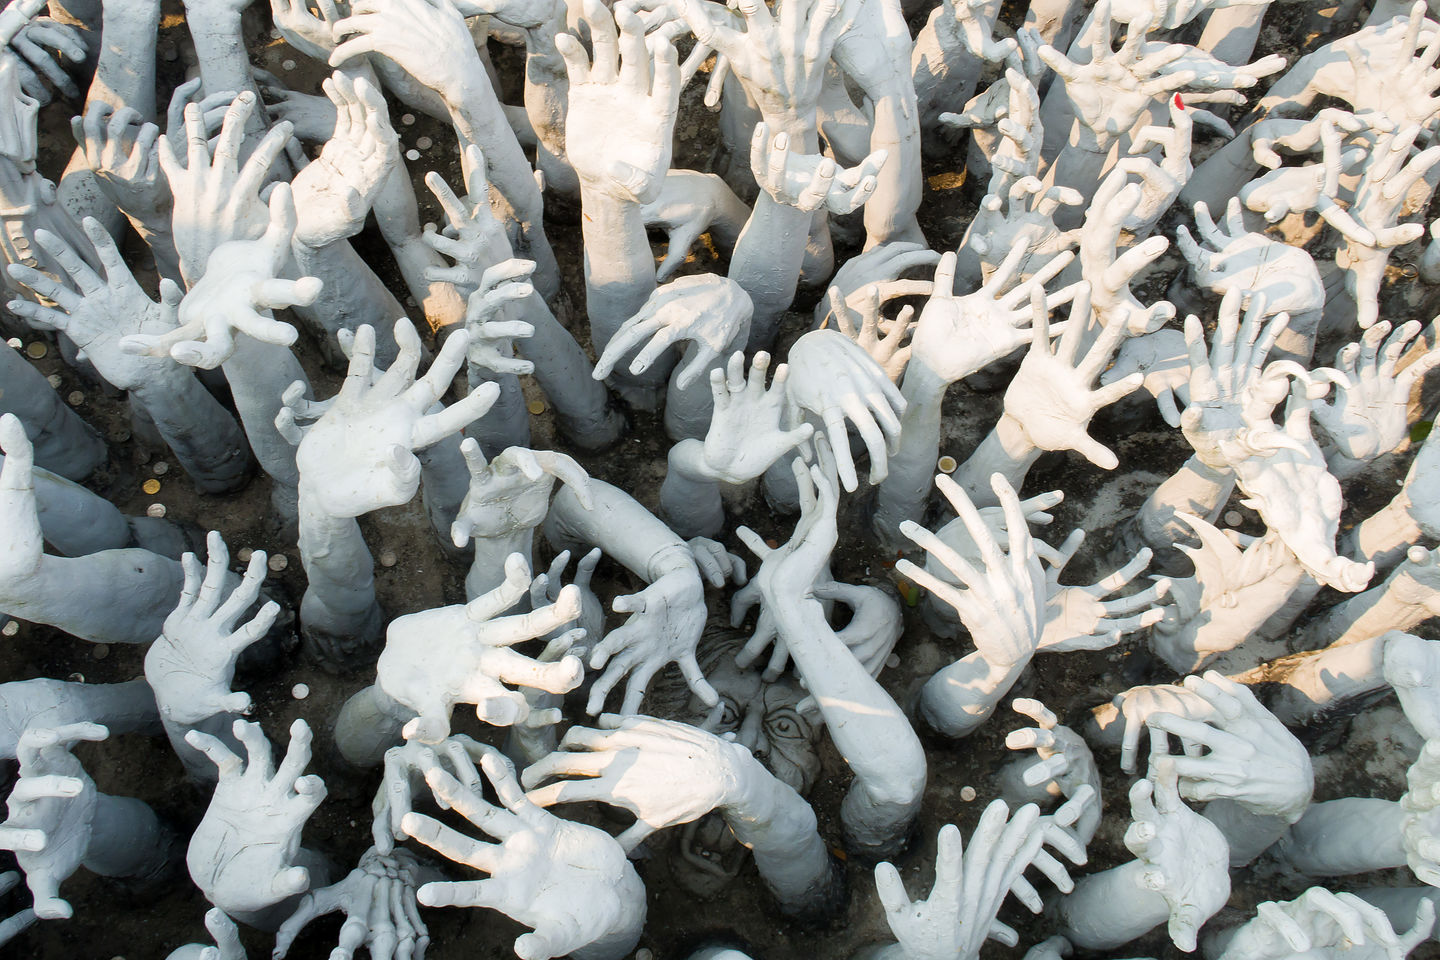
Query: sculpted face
766, 718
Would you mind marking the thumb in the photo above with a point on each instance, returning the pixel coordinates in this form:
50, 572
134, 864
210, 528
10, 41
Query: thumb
533, 946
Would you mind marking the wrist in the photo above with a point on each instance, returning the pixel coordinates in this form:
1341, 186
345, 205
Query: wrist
674, 557
687, 460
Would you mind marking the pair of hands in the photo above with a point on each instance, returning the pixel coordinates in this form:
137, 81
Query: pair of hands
1320, 922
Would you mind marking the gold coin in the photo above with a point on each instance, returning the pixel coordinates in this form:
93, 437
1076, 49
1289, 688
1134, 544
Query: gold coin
151, 486
36, 350
535, 407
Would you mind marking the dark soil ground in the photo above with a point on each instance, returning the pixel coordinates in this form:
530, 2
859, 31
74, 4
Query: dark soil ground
118, 919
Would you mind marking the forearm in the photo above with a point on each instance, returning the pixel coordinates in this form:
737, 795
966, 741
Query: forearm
1249, 834
619, 267
1221, 175
62, 441
689, 500
890, 213
960, 697
1341, 837
339, 613
781, 831
121, 707
562, 369
200, 432
125, 71
1368, 615
766, 263
1383, 537
74, 520
507, 422
617, 524
905, 491
866, 725
1194, 489
1110, 908
487, 569
220, 52
258, 374
1307, 686
1080, 166
127, 839
352, 295
1006, 451
114, 596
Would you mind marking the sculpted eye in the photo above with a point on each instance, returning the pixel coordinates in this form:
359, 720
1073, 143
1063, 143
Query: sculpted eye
785, 725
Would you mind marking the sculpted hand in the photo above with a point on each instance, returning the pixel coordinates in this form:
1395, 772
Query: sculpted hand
878, 337
35, 62
1212, 611
191, 664
1162, 359
51, 807
664, 626
492, 335
881, 264
1186, 856
312, 32
1251, 758
688, 205
242, 853
1421, 804
1322, 923
512, 491
123, 157
746, 434
472, 237
708, 313
1052, 397
662, 771
970, 886
833, 379
1079, 618
1065, 765
406, 764
1229, 257
334, 193
959, 335
427, 39
570, 882
1369, 417
874, 627
1138, 704
461, 654
1110, 272
105, 312
1003, 603
1024, 218
808, 181
22, 546
217, 198
234, 296
1314, 186
359, 455
780, 61
378, 900
644, 89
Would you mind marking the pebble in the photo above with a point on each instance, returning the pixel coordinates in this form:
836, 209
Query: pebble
76, 398
54, 380
946, 464
156, 510
161, 468
100, 651
412, 154
36, 350
245, 554
424, 143
967, 794
11, 628
300, 691
388, 558
279, 562
1233, 518
151, 486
